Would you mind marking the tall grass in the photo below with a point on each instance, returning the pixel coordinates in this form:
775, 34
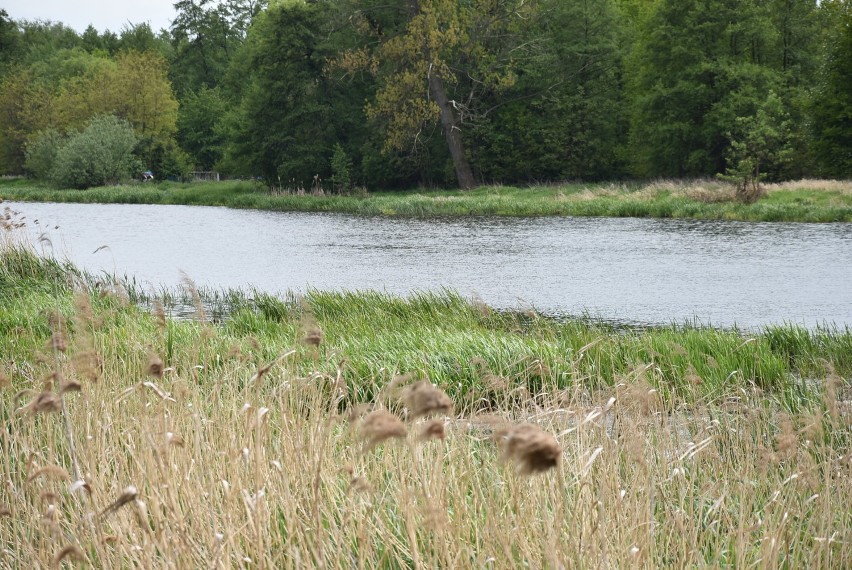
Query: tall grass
806, 201
298, 432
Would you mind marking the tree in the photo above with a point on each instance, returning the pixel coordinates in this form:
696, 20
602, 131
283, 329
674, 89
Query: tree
200, 127
10, 42
141, 38
283, 128
435, 64
563, 117
41, 153
205, 36
99, 155
143, 94
697, 66
26, 106
759, 141
831, 110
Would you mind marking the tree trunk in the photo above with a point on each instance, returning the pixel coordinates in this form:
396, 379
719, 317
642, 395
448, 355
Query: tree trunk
449, 123
452, 133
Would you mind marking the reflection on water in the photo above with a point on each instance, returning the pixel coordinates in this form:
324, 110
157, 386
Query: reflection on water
629, 270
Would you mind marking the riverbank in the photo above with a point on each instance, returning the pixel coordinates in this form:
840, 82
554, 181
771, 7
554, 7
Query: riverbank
234, 434
803, 201
472, 350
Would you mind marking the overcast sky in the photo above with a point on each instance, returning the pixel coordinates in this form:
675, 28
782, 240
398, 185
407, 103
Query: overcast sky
110, 15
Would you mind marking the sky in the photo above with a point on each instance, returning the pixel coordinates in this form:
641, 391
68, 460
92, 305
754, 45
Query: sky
110, 15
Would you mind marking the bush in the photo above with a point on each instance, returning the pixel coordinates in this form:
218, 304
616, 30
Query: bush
341, 168
100, 155
760, 141
165, 159
41, 153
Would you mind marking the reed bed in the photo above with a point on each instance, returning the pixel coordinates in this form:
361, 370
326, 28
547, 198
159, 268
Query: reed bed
802, 201
134, 439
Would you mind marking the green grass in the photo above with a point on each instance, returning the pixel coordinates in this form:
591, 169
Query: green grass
805, 201
479, 356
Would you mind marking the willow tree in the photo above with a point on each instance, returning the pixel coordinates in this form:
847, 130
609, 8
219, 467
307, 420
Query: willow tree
434, 60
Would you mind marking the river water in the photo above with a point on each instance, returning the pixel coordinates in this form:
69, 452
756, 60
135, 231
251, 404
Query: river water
636, 271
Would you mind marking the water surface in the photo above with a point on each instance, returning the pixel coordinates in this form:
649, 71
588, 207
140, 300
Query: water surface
628, 270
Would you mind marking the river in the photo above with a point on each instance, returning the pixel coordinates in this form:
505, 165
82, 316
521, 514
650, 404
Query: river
636, 271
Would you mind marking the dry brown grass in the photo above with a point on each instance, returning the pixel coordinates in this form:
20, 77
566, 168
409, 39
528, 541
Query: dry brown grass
708, 191
844, 187
237, 465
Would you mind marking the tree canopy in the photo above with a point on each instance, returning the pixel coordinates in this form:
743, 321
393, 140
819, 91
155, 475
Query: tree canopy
399, 93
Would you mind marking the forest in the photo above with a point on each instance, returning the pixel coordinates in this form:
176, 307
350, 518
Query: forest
392, 94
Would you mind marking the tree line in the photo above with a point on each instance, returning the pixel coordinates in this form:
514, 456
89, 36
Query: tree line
399, 93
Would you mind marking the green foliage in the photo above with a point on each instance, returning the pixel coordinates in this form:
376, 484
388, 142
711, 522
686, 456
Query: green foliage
199, 125
341, 169
283, 127
832, 106
10, 42
164, 158
563, 117
697, 66
435, 92
66, 89
42, 152
204, 37
101, 154
759, 140
140, 38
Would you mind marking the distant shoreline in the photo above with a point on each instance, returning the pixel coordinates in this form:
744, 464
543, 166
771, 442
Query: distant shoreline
815, 201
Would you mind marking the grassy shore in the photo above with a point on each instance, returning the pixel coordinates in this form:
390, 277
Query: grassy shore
803, 201
292, 432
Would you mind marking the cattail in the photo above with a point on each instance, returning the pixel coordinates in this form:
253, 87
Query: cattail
379, 426
45, 403
70, 386
424, 399
495, 383
160, 314
787, 440
356, 483
4, 380
83, 307
190, 286
51, 514
71, 552
313, 336
57, 342
88, 364
5, 511
358, 411
433, 429
532, 449
129, 494
48, 497
692, 376
80, 484
155, 366
49, 472
235, 352
140, 511
174, 439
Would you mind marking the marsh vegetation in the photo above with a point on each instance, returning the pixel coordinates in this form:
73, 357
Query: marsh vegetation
801, 201
366, 430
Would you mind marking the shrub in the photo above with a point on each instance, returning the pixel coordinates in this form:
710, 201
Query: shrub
341, 168
761, 140
165, 159
101, 154
41, 153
